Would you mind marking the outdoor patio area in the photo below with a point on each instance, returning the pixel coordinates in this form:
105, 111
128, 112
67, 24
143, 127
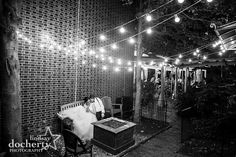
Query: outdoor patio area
113, 78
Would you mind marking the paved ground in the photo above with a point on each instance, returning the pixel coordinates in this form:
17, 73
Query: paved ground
165, 144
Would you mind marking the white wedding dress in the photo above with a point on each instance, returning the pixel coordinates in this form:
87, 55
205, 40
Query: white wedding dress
81, 121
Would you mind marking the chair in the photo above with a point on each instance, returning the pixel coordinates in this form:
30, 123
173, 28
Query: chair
114, 109
74, 144
127, 108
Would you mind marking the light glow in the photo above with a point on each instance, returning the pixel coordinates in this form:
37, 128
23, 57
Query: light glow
148, 18
177, 19
102, 37
131, 40
149, 31
122, 30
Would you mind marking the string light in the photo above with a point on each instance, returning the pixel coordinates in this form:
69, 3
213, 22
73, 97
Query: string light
232, 42
151, 63
102, 37
119, 61
91, 52
204, 57
149, 31
209, 1
139, 63
130, 69
111, 61
180, 1
166, 59
180, 56
177, 19
114, 46
96, 56
131, 40
148, 18
117, 69
177, 61
104, 67
122, 30
129, 63
94, 65
220, 53
83, 52
101, 49
83, 62
197, 50
82, 43
190, 60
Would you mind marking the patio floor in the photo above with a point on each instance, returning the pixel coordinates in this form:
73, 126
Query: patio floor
165, 144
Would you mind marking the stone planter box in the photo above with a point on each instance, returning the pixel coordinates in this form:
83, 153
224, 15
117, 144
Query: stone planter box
113, 135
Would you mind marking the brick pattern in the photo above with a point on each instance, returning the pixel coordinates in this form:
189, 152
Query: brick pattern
48, 76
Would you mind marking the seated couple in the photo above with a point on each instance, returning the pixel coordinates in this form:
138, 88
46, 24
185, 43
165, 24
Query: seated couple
95, 106
79, 119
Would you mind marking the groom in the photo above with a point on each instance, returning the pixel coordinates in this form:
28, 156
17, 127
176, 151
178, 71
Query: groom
99, 107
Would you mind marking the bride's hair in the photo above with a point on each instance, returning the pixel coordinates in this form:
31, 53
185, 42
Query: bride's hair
85, 99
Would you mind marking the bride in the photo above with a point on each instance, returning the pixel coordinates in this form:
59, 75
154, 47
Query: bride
82, 117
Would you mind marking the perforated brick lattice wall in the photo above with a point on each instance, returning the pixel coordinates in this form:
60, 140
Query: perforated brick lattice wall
48, 75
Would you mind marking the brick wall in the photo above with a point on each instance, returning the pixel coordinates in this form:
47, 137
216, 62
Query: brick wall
48, 74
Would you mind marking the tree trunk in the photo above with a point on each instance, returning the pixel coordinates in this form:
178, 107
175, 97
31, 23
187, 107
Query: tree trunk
137, 106
9, 75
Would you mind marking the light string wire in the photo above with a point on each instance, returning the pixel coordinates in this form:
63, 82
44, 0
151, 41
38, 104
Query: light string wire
177, 12
187, 53
126, 23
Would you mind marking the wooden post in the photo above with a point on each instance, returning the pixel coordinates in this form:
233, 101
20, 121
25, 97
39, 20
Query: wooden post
10, 75
162, 99
176, 83
137, 107
186, 79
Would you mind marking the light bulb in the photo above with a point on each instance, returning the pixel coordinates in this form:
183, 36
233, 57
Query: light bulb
177, 61
177, 19
197, 50
130, 69
204, 57
117, 69
190, 60
166, 60
122, 30
129, 63
82, 42
161, 64
151, 63
139, 63
148, 18
220, 53
94, 65
180, 1
111, 61
101, 49
102, 37
91, 52
114, 46
119, 61
180, 56
83, 62
104, 67
96, 56
131, 40
82, 52
149, 31
209, 1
